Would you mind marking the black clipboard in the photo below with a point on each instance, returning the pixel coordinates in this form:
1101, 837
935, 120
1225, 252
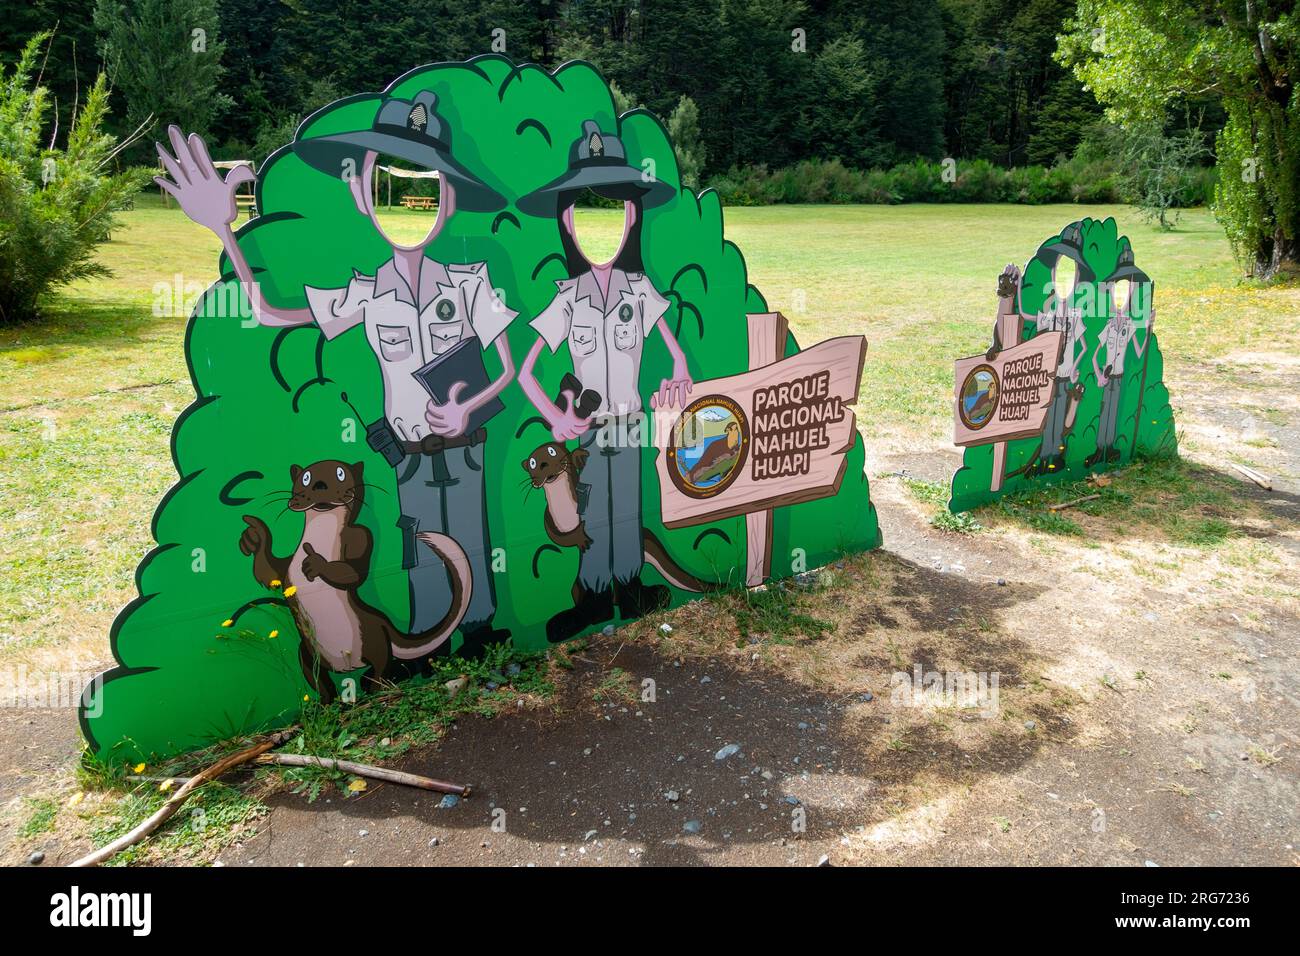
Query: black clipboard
463, 362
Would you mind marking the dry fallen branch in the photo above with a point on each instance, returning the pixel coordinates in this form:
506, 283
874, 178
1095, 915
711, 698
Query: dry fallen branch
365, 770
1061, 506
1258, 477
163, 813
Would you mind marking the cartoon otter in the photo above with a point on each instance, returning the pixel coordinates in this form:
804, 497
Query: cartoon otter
717, 457
330, 562
554, 469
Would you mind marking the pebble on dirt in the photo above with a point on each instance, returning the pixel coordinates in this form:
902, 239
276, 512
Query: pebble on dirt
36, 858
448, 801
692, 826
727, 751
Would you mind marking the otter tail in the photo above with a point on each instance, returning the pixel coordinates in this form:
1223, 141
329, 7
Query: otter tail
658, 558
410, 646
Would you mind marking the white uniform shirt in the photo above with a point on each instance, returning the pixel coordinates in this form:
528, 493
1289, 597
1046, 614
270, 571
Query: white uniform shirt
605, 333
1069, 321
1115, 338
406, 330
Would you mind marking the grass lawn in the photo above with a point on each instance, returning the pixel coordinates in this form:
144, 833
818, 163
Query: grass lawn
1188, 556
89, 394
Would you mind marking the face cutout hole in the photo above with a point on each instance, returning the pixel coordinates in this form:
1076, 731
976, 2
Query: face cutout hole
598, 229
405, 201
1064, 276
1120, 292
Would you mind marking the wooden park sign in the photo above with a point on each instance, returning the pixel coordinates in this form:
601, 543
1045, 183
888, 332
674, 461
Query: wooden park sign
1005, 397
774, 436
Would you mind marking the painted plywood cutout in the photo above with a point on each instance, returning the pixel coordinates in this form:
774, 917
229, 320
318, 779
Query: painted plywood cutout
403, 448
1073, 380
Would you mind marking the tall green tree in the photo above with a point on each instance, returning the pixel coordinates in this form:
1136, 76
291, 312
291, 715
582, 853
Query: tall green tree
164, 56
56, 204
1142, 56
838, 119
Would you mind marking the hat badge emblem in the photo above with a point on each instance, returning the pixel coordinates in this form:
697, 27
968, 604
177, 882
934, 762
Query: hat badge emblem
418, 118
596, 145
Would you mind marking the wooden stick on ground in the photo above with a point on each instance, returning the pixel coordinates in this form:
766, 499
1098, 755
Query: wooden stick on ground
1061, 506
163, 813
365, 770
1258, 477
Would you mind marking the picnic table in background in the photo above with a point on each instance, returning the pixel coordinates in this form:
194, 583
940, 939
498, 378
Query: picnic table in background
410, 202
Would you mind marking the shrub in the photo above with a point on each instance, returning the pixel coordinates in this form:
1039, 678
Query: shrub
1087, 178
55, 205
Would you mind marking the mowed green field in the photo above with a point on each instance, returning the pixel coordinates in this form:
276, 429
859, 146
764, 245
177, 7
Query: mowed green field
89, 394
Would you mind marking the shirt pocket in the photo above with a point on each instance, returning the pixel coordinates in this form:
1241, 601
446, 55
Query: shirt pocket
443, 337
394, 342
582, 340
625, 336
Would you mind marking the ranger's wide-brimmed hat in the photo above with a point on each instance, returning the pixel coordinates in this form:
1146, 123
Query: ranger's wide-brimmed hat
409, 130
1125, 269
598, 161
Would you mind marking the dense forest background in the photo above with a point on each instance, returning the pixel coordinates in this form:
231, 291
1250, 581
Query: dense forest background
767, 83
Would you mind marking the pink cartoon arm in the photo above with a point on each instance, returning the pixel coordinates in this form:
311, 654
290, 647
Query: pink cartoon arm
673, 391
196, 185
450, 419
565, 425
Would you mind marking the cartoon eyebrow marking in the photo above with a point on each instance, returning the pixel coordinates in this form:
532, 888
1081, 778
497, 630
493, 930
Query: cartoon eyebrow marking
501, 218
225, 495
545, 259
533, 124
699, 538
541, 551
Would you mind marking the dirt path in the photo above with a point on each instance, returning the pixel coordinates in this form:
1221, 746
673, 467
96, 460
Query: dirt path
1140, 721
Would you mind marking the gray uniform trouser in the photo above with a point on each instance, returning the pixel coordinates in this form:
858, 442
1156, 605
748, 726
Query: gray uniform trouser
1110, 396
613, 512
446, 497
1054, 424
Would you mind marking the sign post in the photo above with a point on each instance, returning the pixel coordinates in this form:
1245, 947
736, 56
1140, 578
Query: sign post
773, 436
767, 332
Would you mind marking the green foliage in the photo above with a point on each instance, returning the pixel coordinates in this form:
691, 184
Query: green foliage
1140, 57
1160, 168
836, 122
684, 133
813, 181
56, 204
777, 614
41, 813
164, 56
1007, 100
267, 398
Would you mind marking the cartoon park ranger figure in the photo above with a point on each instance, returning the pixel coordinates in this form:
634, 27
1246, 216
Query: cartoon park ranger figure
413, 311
1126, 283
604, 316
1059, 316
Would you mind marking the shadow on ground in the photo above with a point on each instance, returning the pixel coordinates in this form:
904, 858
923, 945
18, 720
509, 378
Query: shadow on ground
594, 780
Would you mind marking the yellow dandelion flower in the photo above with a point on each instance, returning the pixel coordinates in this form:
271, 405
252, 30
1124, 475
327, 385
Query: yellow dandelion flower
275, 634
166, 785
290, 591
357, 785
138, 768
275, 583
